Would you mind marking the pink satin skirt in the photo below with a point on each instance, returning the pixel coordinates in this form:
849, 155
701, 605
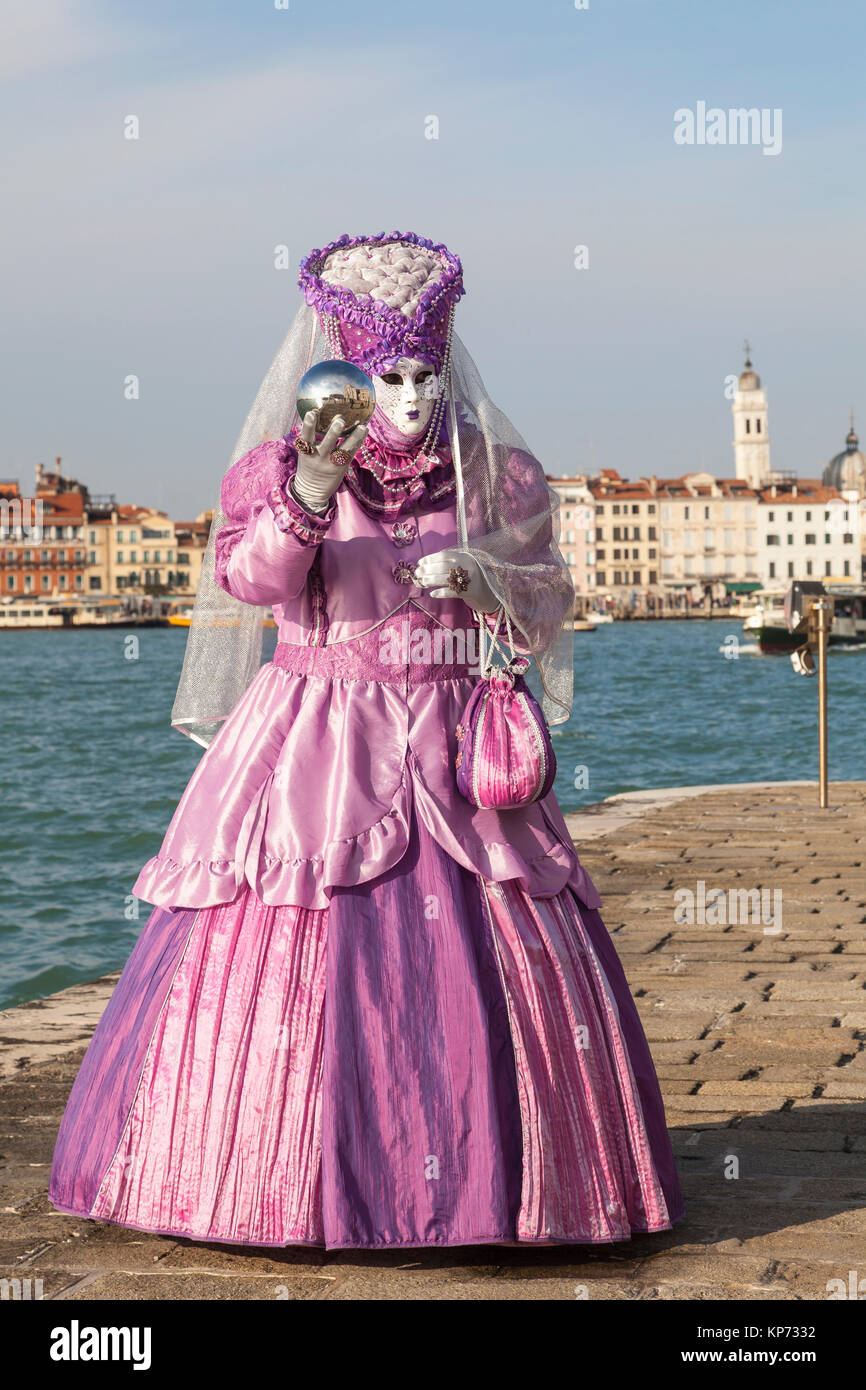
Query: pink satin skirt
434, 1059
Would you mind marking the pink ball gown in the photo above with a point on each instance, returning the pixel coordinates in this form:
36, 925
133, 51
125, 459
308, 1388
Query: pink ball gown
363, 1013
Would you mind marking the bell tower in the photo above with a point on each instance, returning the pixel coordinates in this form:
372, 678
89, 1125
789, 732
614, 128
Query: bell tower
751, 430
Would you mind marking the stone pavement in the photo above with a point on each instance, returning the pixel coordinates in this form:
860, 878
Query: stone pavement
757, 1027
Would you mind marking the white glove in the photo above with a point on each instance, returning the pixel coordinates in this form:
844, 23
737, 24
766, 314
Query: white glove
432, 571
317, 478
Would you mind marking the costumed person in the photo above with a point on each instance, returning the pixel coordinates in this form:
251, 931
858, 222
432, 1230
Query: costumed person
368, 1011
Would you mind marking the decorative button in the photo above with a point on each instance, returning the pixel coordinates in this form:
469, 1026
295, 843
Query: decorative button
403, 572
404, 532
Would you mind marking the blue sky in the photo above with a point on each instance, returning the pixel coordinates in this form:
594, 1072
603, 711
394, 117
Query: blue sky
262, 127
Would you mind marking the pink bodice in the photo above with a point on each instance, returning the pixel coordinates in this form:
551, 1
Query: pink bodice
311, 781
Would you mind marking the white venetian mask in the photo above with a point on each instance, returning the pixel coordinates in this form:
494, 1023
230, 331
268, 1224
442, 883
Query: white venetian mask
407, 393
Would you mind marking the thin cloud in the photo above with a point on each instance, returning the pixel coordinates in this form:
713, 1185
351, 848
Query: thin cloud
56, 34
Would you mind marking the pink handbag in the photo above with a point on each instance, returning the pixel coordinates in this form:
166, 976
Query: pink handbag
505, 755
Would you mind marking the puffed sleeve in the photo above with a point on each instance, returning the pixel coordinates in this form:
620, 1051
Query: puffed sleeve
268, 542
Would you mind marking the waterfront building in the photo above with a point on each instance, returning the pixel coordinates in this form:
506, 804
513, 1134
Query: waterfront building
133, 549
41, 540
847, 472
192, 539
709, 533
63, 541
627, 547
806, 531
577, 532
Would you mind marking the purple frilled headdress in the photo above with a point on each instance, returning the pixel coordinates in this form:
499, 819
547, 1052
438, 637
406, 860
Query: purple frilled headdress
372, 300
385, 297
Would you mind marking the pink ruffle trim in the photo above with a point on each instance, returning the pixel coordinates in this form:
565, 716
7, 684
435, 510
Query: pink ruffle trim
344, 863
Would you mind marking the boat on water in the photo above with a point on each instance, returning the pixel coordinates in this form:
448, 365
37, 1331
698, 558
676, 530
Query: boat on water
181, 616
767, 623
583, 625
849, 610
776, 619
596, 618
28, 614
22, 614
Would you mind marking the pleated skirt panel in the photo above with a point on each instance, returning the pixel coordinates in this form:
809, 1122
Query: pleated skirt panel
433, 1059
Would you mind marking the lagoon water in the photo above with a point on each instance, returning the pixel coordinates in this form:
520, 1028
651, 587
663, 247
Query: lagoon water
93, 771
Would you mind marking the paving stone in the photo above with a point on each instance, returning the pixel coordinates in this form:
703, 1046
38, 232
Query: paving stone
855, 1090
740, 1090
670, 1026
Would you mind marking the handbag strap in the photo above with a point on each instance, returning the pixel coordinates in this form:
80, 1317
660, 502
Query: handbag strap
493, 638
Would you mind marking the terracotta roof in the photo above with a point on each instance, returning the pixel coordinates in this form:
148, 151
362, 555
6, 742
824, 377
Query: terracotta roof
809, 490
127, 512
623, 492
62, 504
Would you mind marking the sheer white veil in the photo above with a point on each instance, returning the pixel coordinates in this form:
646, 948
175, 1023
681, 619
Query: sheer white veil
224, 644
507, 513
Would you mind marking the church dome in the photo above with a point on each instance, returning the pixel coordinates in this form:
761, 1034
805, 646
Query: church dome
748, 379
847, 471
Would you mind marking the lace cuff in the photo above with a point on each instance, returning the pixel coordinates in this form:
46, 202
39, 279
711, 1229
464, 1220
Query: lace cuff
290, 516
